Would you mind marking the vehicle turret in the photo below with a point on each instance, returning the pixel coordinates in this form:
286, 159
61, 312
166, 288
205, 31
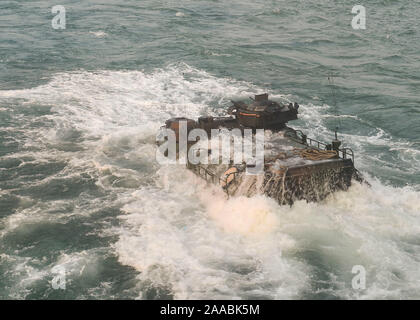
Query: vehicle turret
263, 113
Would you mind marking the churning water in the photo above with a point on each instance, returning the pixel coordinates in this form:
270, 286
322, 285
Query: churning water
80, 187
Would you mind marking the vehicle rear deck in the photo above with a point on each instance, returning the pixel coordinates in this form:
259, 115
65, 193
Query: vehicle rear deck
295, 168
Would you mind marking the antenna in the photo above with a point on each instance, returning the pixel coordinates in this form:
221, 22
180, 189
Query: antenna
334, 100
332, 86
335, 143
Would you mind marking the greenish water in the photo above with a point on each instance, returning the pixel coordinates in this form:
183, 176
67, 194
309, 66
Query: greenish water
80, 187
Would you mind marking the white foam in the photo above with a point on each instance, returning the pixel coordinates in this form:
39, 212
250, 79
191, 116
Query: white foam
197, 249
99, 34
22, 273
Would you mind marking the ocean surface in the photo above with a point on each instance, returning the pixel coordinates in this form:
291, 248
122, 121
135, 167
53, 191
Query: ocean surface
80, 188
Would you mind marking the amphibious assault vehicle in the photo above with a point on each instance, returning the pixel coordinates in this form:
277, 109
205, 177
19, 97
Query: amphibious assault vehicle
295, 167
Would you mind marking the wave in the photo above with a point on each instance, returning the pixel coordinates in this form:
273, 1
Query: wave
185, 239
